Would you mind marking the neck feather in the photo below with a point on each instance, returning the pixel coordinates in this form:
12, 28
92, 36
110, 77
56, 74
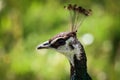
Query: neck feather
79, 69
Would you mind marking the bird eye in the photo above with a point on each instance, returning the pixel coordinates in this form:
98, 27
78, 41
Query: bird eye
58, 43
61, 41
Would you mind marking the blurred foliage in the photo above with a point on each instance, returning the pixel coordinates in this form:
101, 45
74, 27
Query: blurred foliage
26, 23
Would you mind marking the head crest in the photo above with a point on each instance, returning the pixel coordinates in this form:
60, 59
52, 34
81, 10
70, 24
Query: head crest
77, 15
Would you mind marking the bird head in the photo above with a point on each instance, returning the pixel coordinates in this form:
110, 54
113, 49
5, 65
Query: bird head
63, 42
66, 42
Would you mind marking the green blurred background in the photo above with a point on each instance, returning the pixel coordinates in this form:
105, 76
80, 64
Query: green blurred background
26, 23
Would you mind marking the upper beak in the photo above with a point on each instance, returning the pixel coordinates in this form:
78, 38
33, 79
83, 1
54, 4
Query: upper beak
44, 45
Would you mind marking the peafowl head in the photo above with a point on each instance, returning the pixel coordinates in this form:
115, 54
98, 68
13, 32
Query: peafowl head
67, 42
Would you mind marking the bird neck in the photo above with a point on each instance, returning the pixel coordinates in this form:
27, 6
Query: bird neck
79, 66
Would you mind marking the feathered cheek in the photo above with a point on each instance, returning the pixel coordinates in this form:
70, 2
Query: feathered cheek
64, 49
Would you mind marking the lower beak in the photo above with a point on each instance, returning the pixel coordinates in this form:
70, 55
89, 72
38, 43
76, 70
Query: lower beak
44, 45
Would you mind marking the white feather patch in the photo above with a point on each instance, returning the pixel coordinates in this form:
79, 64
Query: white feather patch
68, 52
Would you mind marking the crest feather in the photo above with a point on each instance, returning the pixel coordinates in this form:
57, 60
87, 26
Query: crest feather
77, 15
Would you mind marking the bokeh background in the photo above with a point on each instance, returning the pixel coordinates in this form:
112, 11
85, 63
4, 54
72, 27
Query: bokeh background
26, 23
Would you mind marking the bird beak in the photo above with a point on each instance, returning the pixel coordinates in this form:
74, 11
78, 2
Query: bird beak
44, 45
